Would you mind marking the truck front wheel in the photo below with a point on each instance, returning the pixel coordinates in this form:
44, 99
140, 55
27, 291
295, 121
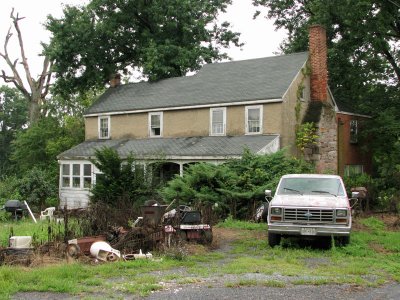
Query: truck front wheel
274, 239
343, 240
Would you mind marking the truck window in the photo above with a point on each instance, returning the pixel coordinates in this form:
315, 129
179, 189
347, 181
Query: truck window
311, 186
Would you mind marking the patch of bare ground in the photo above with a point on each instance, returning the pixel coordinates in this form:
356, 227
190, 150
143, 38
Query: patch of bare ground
391, 221
379, 248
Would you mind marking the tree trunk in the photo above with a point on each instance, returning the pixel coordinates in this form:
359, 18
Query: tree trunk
34, 112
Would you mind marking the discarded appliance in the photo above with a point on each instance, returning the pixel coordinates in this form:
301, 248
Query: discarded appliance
20, 242
86, 242
104, 252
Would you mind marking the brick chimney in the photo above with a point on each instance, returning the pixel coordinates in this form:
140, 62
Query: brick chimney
318, 60
115, 80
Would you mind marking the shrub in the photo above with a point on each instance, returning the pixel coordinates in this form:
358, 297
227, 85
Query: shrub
121, 180
236, 187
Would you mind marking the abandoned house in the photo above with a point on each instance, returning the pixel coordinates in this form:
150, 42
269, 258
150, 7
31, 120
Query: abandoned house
255, 104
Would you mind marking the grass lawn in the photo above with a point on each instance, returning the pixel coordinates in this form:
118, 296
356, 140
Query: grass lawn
371, 258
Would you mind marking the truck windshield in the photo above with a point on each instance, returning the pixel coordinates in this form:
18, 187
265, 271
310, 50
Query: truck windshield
311, 186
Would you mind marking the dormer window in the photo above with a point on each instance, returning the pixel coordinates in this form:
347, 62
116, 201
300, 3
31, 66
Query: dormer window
104, 127
254, 119
155, 124
218, 121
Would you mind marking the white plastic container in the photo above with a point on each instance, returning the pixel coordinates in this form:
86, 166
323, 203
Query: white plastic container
20, 242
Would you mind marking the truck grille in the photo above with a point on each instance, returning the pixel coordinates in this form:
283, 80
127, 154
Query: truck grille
308, 215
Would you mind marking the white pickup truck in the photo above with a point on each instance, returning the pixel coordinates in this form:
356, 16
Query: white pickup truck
309, 206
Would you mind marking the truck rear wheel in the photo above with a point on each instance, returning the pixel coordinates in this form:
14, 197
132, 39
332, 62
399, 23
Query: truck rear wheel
273, 239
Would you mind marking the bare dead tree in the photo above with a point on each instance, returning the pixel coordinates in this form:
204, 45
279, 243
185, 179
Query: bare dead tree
37, 89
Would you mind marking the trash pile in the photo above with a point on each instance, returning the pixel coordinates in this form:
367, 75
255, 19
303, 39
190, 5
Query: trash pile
154, 230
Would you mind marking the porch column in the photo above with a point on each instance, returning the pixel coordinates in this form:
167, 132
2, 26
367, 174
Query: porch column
181, 169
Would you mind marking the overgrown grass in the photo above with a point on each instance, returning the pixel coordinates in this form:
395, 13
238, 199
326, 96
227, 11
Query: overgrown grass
237, 224
40, 231
371, 258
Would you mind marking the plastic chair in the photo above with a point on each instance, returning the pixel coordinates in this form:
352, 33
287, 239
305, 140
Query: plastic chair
47, 213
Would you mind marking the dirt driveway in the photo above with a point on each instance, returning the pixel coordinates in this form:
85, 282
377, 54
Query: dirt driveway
215, 287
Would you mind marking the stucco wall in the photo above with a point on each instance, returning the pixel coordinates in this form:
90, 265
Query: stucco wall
184, 123
288, 119
129, 126
91, 132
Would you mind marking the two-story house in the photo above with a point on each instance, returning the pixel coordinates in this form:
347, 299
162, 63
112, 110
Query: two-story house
211, 116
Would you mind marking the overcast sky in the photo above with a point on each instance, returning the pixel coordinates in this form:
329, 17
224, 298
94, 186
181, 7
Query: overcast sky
259, 35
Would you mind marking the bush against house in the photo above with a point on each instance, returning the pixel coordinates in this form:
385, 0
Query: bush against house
121, 180
236, 187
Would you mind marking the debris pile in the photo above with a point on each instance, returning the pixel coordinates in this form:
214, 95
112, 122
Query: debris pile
157, 228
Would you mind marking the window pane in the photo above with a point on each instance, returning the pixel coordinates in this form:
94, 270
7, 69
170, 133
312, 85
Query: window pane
155, 121
65, 169
156, 131
353, 131
76, 182
87, 182
65, 181
218, 116
254, 114
351, 170
76, 169
87, 170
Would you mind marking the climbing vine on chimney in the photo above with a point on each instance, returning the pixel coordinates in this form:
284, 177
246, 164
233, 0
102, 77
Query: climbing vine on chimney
306, 135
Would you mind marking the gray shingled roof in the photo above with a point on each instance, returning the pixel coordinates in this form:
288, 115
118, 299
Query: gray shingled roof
254, 79
202, 147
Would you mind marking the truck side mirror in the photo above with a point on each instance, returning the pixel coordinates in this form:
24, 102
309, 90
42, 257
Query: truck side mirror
354, 198
268, 196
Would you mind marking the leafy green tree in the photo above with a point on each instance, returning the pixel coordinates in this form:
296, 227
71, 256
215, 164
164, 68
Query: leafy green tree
363, 61
363, 40
39, 144
13, 118
162, 38
121, 181
38, 188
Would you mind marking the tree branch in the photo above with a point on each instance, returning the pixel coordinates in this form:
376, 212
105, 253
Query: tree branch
16, 78
45, 77
21, 46
392, 62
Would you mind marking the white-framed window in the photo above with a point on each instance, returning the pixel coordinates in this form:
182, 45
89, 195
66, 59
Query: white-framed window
104, 127
254, 119
156, 124
217, 121
76, 175
350, 170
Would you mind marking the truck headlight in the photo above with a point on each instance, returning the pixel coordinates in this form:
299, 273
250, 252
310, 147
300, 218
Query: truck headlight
341, 213
276, 210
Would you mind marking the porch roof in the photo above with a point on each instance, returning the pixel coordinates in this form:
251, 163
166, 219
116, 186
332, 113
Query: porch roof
184, 148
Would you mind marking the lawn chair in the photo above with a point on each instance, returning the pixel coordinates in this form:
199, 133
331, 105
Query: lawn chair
47, 213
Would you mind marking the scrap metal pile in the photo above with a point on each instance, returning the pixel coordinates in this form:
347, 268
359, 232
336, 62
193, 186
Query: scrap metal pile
154, 230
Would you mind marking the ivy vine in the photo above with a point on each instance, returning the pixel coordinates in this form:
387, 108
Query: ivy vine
306, 135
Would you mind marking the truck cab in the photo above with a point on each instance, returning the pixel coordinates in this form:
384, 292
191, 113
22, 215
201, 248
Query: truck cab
309, 206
